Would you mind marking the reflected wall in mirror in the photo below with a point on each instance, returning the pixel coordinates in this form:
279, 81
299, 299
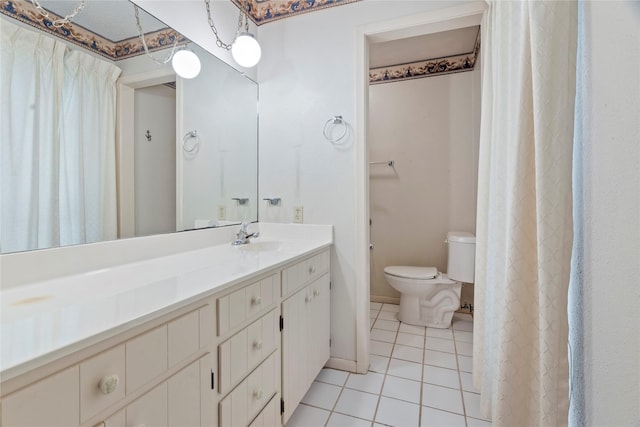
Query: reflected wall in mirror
98, 141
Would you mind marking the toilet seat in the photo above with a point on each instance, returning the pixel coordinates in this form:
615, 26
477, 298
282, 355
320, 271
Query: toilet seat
409, 272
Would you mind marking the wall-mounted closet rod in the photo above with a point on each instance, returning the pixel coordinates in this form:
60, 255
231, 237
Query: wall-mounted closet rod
384, 162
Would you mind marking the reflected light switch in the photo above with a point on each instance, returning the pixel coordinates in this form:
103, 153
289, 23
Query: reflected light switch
297, 215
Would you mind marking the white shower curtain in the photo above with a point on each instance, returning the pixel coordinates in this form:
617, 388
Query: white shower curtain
524, 223
57, 166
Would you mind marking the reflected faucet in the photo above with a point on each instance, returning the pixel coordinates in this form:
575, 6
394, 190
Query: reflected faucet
243, 236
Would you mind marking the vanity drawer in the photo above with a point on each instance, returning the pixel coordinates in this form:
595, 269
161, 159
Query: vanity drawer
102, 381
246, 349
243, 304
183, 337
270, 415
298, 275
151, 354
247, 400
34, 405
146, 357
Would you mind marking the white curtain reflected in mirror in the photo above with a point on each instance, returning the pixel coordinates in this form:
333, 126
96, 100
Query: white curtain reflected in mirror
58, 146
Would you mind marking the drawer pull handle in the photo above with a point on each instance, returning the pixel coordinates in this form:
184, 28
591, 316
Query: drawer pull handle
109, 384
312, 270
257, 394
316, 292
307, 298
257, 300
257, 345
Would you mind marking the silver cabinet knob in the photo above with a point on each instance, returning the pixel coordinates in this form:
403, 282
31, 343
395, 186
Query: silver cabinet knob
257, 345
257, 394
109, 383
257, 300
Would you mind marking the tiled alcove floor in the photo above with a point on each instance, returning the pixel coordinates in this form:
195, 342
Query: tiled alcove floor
418, 377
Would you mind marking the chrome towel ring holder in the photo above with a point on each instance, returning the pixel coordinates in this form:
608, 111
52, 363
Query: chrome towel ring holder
195, 145
330, 124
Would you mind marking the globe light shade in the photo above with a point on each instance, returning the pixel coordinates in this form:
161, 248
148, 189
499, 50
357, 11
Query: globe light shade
186, 64
246, 50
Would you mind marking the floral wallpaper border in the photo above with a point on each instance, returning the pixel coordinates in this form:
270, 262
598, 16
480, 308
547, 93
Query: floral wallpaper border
426, 68
24, 11
264, 11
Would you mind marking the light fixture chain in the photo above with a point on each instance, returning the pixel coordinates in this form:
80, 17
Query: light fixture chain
59, 22
144, 42
245, 9
219, 42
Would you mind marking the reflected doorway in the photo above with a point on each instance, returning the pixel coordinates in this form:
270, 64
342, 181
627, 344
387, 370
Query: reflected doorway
155, 159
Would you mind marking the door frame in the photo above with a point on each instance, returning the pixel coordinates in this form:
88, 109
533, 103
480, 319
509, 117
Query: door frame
415, 25
125, 144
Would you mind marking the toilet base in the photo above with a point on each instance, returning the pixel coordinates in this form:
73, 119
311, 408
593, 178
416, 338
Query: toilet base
435, 311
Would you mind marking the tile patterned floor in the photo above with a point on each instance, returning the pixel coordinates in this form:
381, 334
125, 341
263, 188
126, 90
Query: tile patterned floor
417, 377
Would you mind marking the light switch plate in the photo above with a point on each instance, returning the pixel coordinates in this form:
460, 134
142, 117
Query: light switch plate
222, 212
298, 215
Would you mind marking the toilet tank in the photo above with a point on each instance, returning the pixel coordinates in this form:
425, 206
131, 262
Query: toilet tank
462, 256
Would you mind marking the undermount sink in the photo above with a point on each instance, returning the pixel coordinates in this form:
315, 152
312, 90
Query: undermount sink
264, 246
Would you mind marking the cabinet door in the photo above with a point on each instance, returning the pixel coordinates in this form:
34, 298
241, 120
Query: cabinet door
319, 327
295, 351
150, 409
183, 406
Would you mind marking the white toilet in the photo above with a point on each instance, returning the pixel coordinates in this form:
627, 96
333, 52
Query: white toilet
428, 297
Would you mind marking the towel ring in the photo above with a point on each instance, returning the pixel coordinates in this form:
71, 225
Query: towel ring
187, 137
335, 121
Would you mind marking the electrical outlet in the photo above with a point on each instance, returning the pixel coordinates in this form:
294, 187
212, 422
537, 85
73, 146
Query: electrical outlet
222, 212
297, 215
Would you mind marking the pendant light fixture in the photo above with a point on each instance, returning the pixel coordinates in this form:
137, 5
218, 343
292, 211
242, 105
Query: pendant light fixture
185, 63
245, 49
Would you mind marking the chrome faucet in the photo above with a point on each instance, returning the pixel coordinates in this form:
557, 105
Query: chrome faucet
243, 236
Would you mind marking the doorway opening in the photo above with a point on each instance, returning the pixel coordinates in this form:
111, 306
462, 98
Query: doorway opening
153, 97
416, 25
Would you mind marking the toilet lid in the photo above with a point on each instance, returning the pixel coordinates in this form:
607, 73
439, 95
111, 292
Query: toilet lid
421, 273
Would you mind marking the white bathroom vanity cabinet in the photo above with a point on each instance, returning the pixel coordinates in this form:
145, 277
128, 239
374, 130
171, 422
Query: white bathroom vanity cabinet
239, 352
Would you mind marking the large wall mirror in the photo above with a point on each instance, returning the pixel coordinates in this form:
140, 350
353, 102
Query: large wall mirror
99, 141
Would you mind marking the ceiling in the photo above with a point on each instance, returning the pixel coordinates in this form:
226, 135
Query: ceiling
112, 19
430, 46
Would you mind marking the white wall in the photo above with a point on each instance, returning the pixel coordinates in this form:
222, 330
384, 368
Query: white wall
221, 105
610, 214
430, 128
307, 75
155, 160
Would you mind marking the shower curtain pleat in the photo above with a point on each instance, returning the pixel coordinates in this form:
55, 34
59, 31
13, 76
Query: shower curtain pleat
524, 222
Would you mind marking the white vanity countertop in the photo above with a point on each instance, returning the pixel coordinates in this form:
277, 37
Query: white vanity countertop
43, 321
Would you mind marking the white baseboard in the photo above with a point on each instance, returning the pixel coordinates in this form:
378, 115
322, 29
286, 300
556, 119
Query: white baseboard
341, 364
388, 300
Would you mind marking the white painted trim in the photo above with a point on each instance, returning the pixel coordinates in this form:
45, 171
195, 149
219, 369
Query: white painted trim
417, 24
125, 143
341, 364
125, 162
179, 153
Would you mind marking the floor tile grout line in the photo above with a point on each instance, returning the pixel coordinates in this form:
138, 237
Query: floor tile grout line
424, 346
464, 406
384, 379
